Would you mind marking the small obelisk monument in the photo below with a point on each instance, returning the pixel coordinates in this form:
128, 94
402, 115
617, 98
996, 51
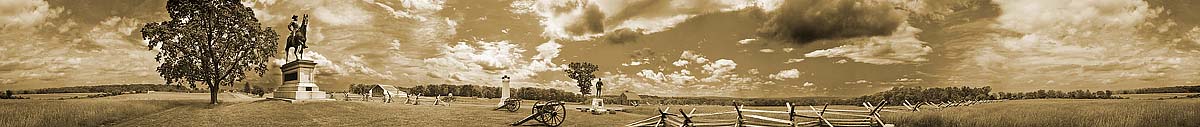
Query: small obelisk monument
504, 88
298, 82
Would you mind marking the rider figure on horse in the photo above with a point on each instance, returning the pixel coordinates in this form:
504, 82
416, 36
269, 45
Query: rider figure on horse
298, 37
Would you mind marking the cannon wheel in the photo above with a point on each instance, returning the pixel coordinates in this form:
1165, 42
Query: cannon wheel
535, 111
513, 106
554, 115
558, 116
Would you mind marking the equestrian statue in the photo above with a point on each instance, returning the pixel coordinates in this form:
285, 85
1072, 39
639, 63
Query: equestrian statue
298, 38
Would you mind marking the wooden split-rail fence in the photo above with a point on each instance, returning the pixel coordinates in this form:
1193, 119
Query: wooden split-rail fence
745, 117
946, 104
437, 100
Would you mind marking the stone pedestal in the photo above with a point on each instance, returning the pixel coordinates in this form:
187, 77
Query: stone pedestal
298, 82
598, 106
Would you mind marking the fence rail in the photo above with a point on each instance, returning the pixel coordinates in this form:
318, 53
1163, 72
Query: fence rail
745, 117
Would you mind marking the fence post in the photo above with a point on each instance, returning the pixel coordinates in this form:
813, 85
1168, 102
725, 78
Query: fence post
663, 118
738, 108
791, 114
875, 112
821, 115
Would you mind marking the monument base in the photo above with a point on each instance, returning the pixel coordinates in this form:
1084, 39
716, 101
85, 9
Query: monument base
598, 107
298, 84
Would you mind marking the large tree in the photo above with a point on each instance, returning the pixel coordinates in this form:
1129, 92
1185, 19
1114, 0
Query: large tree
582, 73
212, 42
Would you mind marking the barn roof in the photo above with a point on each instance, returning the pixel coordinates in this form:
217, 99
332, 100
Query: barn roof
390, 90
630, 95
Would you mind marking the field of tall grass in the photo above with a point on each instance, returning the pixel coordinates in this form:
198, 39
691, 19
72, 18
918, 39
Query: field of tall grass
1059, 113
78, 112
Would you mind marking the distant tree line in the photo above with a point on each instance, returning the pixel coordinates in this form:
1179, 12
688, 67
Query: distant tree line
114, 89
526, 93
1173, 89
1042, 94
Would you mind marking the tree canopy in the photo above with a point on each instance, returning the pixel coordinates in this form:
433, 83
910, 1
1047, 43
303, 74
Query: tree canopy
210, 42
582, 73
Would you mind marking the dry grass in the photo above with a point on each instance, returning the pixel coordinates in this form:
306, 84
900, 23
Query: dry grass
1059, 113
78, 112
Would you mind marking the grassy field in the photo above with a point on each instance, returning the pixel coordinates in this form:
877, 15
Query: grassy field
190, 109
1156, 95
1060, 113
466, 112
85, 112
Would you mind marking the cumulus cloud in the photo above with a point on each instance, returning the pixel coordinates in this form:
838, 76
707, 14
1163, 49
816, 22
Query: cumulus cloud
804, 21
20, 14
544, 60
680, 63
652, 75
692, 56
900, 47
786, 74
718, 70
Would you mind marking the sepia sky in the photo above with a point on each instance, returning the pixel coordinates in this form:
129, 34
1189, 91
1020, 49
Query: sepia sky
763, 48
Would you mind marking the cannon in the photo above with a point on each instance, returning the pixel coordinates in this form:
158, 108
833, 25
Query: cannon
510, 105
550, 113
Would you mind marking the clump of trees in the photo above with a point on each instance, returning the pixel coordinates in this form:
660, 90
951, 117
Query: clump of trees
8, 94
1042, 94
256, 90
919, 94
360, 89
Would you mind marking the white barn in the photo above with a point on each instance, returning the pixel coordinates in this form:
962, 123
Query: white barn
385, 91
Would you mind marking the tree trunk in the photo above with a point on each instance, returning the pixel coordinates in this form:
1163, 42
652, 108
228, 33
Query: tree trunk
212, 90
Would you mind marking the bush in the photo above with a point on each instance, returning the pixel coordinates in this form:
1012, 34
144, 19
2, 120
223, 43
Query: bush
8, 94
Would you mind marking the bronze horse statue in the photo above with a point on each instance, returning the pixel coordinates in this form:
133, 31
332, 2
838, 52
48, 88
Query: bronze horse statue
298, 38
